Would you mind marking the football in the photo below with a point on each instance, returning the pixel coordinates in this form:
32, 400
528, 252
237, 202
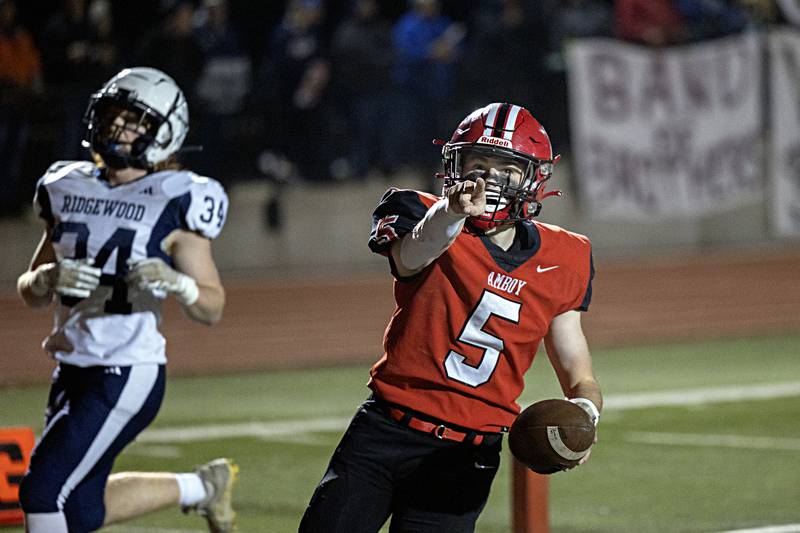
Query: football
551, 435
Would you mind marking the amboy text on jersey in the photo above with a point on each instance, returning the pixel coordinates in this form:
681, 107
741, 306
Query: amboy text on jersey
505, 283
99, 206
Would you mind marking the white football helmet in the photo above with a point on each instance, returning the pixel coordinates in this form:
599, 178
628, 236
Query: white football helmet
161, 109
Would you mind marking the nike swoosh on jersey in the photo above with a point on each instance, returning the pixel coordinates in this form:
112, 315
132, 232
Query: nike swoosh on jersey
540, 269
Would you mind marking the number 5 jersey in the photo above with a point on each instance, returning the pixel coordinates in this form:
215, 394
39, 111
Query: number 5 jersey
466, 328
109, 225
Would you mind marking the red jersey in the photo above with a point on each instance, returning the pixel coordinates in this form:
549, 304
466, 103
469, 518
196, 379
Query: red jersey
466, 329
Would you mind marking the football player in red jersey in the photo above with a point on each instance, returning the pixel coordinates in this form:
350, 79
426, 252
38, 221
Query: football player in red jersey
478, 285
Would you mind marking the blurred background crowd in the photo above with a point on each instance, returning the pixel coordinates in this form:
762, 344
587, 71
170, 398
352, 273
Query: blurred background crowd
316, 90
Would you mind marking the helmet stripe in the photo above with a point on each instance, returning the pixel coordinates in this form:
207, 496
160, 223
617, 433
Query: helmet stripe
510, 122
499, 124
491, 119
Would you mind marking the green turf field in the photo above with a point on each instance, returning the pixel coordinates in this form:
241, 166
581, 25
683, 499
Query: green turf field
729, 459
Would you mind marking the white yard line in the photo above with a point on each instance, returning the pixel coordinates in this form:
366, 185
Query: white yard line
296, 428
154, 529
262, 430
786, 528
164, 451
703, 396
714, 441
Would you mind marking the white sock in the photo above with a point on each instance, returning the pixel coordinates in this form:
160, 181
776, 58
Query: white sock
191, 488
46, 523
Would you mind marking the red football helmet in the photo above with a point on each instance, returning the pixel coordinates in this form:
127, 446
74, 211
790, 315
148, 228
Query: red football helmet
503, 131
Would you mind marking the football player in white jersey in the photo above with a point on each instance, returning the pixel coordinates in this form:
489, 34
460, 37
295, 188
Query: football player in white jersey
122, 233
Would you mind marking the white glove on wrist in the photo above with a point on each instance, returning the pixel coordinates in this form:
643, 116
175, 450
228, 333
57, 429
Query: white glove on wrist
153, 274
76, 278
588, 405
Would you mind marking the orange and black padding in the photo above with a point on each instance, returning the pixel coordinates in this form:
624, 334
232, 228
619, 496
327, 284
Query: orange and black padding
16, 445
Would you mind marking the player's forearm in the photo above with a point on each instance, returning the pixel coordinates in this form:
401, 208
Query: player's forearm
430, 237
209, 305
588, 389
34, 288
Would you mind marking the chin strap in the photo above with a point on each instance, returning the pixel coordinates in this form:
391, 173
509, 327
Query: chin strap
552, 193
113, 159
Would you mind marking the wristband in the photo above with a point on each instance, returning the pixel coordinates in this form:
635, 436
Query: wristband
187, 291
587, 405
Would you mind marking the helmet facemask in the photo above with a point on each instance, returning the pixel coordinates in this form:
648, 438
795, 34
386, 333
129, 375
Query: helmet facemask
121, 131
511, 195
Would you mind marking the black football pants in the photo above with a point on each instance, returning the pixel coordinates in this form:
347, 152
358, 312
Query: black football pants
382, 468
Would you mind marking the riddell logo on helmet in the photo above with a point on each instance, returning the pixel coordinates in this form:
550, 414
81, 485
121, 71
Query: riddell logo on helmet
494, 141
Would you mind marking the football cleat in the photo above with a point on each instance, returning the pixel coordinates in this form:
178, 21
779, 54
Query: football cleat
219, 477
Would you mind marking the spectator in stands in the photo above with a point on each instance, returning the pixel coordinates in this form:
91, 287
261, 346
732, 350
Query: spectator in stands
760, 13
571, 19
20, 61
78, 53
499, 35
790, 9
649, 22
105, 49
709, 19
20, 80
427, 46
575, 19
361, 61
224, 83
292, 85
172, 47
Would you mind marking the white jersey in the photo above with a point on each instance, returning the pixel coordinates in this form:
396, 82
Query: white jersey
118, 324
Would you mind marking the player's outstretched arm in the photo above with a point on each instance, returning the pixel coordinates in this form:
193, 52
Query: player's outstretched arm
194, 281
439, 227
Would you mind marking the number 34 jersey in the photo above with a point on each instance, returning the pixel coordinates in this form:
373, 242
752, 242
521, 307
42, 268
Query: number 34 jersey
89, 219
466, 328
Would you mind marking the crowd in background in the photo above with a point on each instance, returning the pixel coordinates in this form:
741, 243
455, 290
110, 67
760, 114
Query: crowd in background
316, 90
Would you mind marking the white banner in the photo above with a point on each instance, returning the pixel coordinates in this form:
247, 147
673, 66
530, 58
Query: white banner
784, 154
672, 131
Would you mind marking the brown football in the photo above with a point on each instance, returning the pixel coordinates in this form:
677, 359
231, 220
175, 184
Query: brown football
551, 435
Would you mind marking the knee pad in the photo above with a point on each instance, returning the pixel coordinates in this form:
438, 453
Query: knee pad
84, 515
36, 497
84, 520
